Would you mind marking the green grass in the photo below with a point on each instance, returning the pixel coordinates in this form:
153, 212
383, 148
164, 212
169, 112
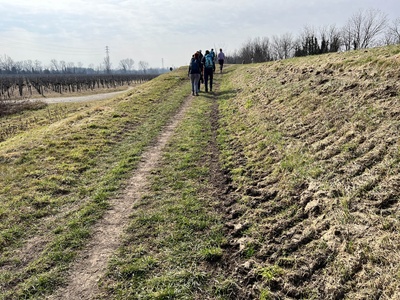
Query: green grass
57, 178
310, 150
174, 225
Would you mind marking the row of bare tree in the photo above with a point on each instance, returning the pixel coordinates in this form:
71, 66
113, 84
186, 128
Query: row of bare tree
9, 66
365, 29
19, 87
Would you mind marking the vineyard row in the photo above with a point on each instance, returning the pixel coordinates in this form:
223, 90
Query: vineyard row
23, 87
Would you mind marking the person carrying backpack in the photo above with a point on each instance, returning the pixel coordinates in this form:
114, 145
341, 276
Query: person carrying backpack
208, 71
213, 56
195, 73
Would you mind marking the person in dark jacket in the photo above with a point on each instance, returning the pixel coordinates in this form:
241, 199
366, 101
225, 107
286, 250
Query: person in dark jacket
201, 75
195, 73
208, 69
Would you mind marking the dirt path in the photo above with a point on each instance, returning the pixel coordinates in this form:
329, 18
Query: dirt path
94, 97
92, 262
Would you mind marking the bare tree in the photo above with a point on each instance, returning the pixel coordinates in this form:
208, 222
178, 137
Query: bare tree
393, 32
70, 67
254, 50
282, 46
363, 28
100, 68
6, 64
126, 64
233, 58
27, 66
38, 66
261, 50
246, 52
63, 65
143, 65
347, 36
19, 66
334, 38
54, 65
307, 43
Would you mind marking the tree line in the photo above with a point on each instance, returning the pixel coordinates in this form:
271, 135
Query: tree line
364, 29
126, 66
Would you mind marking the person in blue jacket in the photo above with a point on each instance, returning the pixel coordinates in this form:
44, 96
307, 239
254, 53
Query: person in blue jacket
214, 57
208, 70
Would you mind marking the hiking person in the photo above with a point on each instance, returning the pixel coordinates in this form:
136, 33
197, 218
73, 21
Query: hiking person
195, 73
201, 74
200, 55
208, 70
213, 57
212, 53
221, 58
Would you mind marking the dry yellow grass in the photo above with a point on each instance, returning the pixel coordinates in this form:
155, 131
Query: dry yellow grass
312, 145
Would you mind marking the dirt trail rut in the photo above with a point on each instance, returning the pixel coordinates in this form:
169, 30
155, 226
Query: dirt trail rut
82, 281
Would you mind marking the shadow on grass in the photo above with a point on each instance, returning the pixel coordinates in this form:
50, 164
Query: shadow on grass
220, 94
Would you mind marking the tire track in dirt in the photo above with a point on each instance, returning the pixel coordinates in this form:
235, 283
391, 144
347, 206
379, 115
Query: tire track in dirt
82, 281
222, 190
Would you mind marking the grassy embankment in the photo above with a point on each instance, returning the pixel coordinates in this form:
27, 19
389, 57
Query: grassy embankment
59, 166
311, 210
312, 145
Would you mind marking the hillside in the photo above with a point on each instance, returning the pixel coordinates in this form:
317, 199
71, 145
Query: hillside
312, 147
281, 184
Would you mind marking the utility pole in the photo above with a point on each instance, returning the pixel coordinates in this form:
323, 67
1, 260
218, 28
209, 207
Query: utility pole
107, 63
162, 63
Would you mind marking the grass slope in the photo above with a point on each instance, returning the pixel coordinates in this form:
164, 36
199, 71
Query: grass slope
312, 145
59, 172
310, 210
284, 184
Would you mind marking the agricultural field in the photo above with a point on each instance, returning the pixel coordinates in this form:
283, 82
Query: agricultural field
19, 87
283, 183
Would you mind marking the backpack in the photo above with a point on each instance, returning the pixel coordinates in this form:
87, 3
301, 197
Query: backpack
209, 62
194, 67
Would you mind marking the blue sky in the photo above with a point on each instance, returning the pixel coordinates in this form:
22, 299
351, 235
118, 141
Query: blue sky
160, 32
